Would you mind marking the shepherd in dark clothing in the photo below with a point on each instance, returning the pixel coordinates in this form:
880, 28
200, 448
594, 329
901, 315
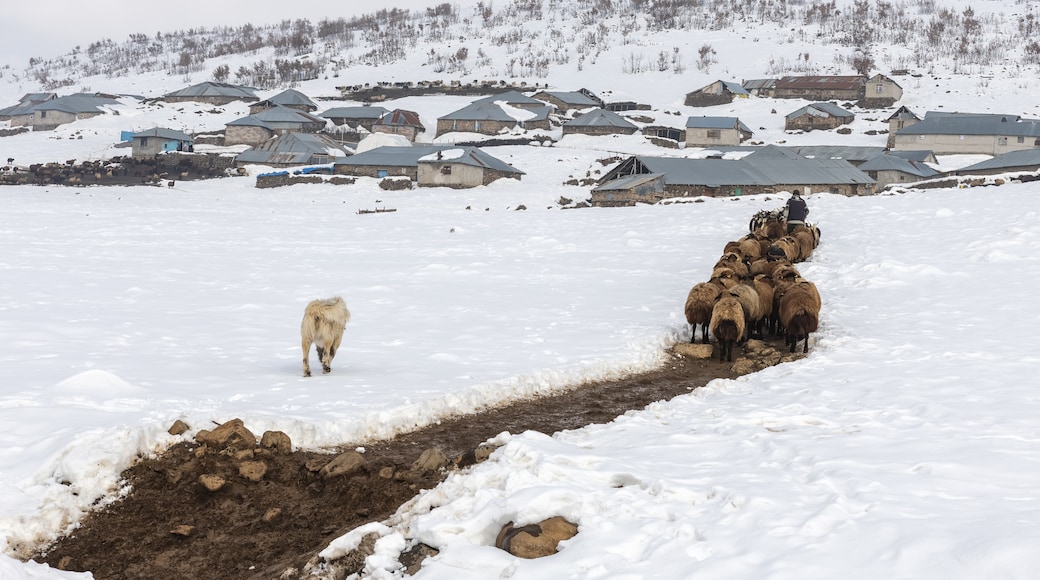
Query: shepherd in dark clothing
796, 211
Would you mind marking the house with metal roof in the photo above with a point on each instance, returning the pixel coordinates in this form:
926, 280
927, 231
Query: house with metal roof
902, 118
21, 113
888, 169
387, 161
353, 120
970, 133
151, 142
54, 112
288, 98
212, 92
257, 128
291, 149
768, 169
716, 131
462, 167
717, 93
400, 122
599, 122
629, 190
815, 116
494, 116
569, 101
759, 87
1022, 161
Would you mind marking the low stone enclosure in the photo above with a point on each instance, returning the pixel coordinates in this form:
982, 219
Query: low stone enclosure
160, 170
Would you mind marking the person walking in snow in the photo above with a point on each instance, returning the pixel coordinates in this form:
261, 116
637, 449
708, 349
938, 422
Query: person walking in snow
795, 211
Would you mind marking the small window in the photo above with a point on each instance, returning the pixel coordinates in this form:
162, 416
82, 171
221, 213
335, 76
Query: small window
962, 137
714, 133
144, 141
1002, 141
920, 137
1021, 139
43, 114
880, 89
445, 169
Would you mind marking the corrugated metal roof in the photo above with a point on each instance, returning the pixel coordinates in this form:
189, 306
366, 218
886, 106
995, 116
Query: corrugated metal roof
894, 163
292, 97
821, 110
215, 89
971, 124
476, 157
600, 118
392, 156
821, 82
716, 123
163, 133
918, 155
76, 103
847, 152
1012, 160
292, 148
484, 110
628, 181
354, 113
515, 98
281, 114
904, 114
575, 98
758, 84
735, 88
400, 117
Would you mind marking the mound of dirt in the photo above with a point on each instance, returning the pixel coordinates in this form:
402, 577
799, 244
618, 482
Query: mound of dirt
234, 508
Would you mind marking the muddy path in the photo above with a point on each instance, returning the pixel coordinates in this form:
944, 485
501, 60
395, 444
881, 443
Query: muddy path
170, 526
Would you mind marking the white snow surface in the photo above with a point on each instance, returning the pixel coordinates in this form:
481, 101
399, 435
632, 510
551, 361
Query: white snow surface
904, 446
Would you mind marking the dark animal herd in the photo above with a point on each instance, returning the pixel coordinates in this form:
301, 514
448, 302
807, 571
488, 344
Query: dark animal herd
755, 288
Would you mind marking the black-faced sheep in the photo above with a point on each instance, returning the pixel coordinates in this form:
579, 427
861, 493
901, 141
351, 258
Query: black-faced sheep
727, 325
323, 323
799, 312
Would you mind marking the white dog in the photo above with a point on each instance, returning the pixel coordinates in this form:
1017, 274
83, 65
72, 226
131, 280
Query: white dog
323, 323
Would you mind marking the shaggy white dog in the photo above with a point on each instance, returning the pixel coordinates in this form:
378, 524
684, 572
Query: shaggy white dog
323, 323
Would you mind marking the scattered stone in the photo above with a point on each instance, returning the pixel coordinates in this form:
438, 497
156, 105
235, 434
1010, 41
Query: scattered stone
212, 482
252, 470
386, 472
271, 514
182, 530
178, 428
535, 540
200, 451
277, 441
244, 454
344, 464
431, 460
231, 434
315, 464
698, 351
475, 456
413, 557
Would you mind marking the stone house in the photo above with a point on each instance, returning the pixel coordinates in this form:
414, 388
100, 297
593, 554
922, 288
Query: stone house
717, 93
759, 87
213, 93
887, 169
399, 122
715, 131
880, 92
151, 142
291, 149
387, 161
1022, 161
21, 114
496, 115
257, 128
55, 112
569, 101
902, 118
462, 167
816, 116
355, 117
599, 122
288, 98
629, 190
979, 133
877, 91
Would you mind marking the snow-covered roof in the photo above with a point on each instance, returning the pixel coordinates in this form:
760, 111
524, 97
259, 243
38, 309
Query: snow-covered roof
600, 118
163, 133
820, 110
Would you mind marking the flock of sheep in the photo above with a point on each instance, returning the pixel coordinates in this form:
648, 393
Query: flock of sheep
755, 288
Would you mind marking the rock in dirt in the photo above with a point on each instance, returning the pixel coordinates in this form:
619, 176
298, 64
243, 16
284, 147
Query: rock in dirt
252, 470
697, 351
231, 434
276, 441
182, 530
271, 514
535, 540
343, 464
211, 481
431, 460
178, 428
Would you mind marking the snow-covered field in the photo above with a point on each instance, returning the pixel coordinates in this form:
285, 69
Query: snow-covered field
903, 446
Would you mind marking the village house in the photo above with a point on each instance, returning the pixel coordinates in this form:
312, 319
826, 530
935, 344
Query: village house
288, 98
629, 190
399, 122
902, 118
355, 117
769, 169
876, 91
664, 136
569, 101
255, 129
816, 116
599, 122
21, 114
151, 142
959, 133
496, 115
387, 161
759, 87
55, 112
1022, 161
715, 131
462, 167
717, 93
291, 149
890, 169
213, 93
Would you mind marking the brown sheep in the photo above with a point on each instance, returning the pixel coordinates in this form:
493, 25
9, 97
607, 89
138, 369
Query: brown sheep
733, 261
764, 286
800, 312
727, 325
748, 298
750, 247
699, 304
806, 244
724, 276
323, 322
